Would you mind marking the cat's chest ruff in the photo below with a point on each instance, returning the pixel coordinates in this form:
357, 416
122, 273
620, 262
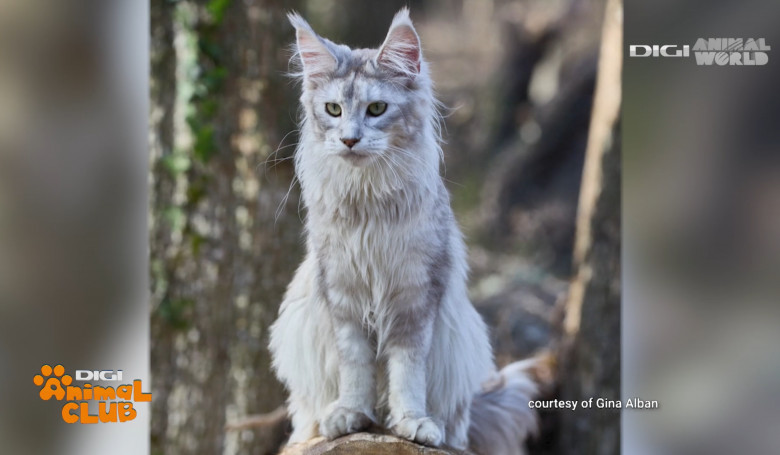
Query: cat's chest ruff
373, 247
372, 258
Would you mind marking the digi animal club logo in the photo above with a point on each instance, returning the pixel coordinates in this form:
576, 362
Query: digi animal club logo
711, 51
109, 403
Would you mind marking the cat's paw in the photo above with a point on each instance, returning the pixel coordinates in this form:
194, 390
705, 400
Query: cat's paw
342, 420
422, 430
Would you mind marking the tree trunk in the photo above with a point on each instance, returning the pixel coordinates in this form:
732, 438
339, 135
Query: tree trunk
222, 253
590, 356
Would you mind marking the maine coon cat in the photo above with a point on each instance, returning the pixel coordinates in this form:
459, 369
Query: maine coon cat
376, 325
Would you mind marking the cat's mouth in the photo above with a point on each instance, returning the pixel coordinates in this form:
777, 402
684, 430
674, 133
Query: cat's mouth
356, 158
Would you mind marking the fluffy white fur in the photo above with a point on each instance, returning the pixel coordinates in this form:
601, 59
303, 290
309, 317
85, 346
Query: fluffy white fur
376, 326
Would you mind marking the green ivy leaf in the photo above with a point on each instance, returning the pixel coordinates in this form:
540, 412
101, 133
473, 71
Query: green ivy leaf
175, 218
217, 8
173, 312
176, 163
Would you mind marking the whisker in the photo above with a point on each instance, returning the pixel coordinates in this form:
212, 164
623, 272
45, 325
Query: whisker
280, 207
278, 148
276, 162
454, 182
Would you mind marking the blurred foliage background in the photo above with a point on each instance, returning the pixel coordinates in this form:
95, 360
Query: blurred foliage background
518, 78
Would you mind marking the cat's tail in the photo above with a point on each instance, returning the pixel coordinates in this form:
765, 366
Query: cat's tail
501, 419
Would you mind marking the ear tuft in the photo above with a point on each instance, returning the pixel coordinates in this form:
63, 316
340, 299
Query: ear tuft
401, 51
316, 59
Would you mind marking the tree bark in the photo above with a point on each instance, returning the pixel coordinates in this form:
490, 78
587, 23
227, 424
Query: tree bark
224, 243
590, 356
161, 124
363, 444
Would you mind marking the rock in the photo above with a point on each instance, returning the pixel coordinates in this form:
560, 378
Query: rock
363, 444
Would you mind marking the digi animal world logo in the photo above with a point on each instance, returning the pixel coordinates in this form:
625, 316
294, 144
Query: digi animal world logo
114, 404
711, 51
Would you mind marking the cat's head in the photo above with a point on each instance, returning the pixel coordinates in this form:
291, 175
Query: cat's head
367, 107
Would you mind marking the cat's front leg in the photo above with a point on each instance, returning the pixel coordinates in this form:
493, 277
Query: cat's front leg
409, 343
354, 409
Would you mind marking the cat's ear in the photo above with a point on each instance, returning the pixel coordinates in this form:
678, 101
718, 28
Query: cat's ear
316, 59
401, 50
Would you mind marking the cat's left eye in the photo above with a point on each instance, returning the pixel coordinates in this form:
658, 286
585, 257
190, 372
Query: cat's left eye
333, 109
377, 109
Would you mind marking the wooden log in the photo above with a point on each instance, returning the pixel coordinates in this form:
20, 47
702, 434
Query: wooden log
364, 444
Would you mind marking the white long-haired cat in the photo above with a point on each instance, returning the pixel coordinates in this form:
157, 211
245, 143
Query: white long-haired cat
376, 326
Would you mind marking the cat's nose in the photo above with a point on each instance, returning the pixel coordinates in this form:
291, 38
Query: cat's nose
349, 142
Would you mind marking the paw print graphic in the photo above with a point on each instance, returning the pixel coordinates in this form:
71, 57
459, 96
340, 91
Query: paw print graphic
53, 387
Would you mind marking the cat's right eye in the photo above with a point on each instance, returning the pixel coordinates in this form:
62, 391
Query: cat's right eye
333, 109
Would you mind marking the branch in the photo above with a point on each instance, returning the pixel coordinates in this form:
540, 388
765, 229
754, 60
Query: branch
274, 419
